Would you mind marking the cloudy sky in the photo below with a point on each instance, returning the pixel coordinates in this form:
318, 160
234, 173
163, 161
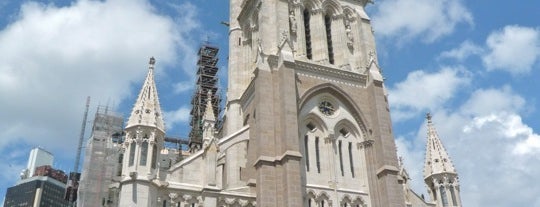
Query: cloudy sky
475, 65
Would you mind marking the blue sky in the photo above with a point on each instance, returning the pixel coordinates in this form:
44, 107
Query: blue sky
474, 64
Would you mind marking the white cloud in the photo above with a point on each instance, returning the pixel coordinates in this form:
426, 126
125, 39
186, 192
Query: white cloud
465, 50
180, 115
514, 49
184, 86
425, 91
53, 57
486, 101
426, 19
492, 149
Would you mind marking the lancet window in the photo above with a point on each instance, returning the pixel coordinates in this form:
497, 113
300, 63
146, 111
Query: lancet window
328, 27
307, 31
144, 153
131, 153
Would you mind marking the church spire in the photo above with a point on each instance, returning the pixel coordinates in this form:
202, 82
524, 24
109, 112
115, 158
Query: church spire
147, 111
440, 175
437, 159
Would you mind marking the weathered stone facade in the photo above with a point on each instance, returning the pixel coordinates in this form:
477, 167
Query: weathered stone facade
307, 121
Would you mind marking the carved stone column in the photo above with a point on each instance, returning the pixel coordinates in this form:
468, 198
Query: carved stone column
319, 46
338, 40
299, 36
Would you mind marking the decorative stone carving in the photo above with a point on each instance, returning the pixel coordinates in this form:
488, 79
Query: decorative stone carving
350, 37
292, 22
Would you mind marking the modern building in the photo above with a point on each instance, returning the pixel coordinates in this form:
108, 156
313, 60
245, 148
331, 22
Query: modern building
38, 157
306, 122
103, 158
45, 186
36, 191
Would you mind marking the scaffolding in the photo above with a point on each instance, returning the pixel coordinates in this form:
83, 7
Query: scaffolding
207, 80
103, 159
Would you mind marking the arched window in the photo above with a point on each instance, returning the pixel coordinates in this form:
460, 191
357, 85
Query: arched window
453, 194
154, 156
144, 153
131, 153
307, 17
328, 26
444, 199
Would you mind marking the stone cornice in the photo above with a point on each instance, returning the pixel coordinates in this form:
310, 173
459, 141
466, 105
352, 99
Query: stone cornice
387, 169
341, 190
330, 74
278, 159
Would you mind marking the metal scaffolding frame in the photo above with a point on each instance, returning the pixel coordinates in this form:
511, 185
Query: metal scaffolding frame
207, 80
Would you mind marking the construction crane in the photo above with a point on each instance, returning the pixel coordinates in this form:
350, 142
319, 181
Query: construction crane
74, 177
81, 136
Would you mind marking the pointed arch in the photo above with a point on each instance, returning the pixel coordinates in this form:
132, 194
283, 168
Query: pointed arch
323, 199
312, 4
311, 198
346, 124
350, 14
346, 201
358, 201
343, 96
316, 120
332, 7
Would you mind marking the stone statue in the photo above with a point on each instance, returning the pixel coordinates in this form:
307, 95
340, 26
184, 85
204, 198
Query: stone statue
350, 37
292, 21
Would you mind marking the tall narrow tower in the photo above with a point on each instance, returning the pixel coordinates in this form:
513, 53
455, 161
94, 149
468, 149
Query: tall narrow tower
304, 79
440, 175
145, 133
206, 85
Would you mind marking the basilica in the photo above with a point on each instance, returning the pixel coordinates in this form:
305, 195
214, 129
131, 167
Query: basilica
306, 123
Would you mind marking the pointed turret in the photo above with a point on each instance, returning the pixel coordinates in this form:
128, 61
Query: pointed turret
145, 134
209, 121
147, 111
437, 159
209, 112
440, 175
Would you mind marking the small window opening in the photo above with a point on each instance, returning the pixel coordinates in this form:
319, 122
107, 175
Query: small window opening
341, 159
310, 126
344, 132
351, 159
317, 157
306, 149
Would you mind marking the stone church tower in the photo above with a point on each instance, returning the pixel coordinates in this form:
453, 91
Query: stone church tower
303, 75
145, 132
306, 122
440, 175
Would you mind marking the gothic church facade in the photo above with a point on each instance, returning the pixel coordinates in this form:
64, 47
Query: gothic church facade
306, 123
